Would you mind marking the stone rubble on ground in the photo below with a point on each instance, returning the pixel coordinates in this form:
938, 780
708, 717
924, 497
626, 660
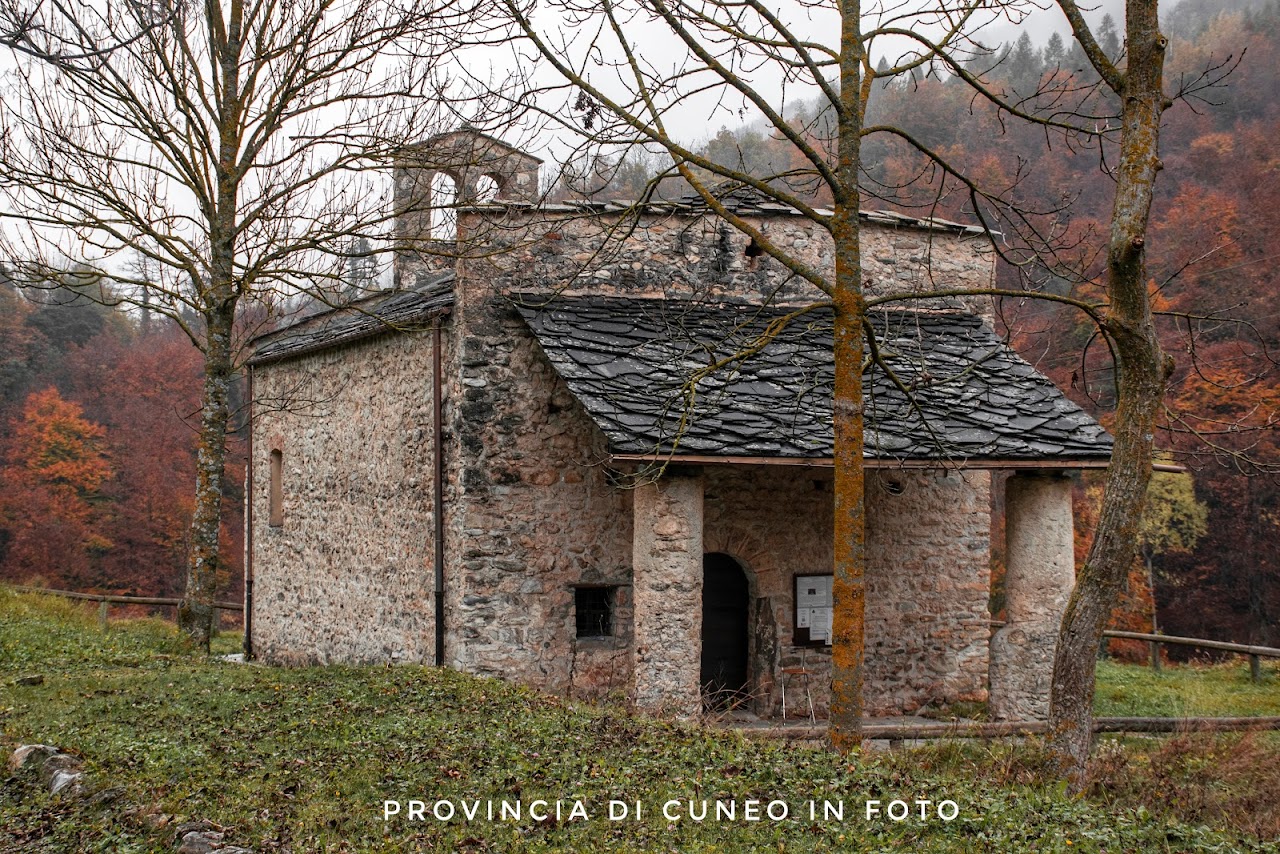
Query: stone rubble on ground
204, 837
63, 773
60, 771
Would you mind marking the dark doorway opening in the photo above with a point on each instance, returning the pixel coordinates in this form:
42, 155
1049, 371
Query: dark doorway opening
725, 601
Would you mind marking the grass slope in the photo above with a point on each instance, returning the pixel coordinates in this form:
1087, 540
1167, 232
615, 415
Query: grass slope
302, 760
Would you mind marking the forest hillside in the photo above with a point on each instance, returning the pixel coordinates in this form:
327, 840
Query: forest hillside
97, 450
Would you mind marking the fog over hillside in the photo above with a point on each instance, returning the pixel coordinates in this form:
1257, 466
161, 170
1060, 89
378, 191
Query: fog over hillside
1188, 15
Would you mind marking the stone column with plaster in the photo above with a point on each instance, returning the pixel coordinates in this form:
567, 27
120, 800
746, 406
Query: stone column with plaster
667, 602
1039, 574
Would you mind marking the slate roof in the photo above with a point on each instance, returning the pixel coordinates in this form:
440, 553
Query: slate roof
969, 397
747, 201
743, 201
385, 311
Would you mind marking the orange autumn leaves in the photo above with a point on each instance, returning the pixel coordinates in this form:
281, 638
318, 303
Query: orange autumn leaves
51, 499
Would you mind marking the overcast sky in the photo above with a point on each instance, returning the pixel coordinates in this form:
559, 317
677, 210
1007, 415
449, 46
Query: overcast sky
702, 117
1041, 24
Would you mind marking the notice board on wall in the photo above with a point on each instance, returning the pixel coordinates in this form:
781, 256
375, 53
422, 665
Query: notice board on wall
814, 609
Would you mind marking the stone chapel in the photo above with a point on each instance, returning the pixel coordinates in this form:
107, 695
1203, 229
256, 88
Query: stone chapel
504, 465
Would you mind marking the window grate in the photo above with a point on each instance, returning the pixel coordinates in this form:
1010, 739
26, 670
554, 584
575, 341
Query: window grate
593, 607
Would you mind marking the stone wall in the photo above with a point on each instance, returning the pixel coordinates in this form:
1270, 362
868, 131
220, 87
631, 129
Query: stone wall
532, 511
686, 255
348, 576
928, 586
927, 622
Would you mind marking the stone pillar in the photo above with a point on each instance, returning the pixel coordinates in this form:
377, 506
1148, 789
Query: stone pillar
667, 603
1039, 574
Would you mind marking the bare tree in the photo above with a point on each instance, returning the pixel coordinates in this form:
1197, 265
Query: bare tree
1142, 372
233, 150
740, 56
1132, 76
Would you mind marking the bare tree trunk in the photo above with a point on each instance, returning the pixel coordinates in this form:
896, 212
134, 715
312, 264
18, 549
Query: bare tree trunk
849, 584
1143, 371
195, 615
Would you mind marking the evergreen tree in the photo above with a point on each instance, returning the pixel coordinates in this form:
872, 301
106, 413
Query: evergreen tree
1022, 68
1055, 53
1109, 38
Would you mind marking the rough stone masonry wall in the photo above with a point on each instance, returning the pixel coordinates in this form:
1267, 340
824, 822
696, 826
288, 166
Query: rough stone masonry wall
348, 577
928, 588
669, 255
927, 578
531, 511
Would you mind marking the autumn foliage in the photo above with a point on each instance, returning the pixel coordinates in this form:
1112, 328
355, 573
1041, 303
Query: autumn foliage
1209, 541
97, 450
51, 500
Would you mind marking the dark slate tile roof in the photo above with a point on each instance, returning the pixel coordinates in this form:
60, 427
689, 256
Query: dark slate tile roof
748, 201
385, 311
969, 397
741, 200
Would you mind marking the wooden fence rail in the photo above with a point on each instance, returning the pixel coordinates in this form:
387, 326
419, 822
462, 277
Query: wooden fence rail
1120, 725
105, 600
1255, 653
1005, 729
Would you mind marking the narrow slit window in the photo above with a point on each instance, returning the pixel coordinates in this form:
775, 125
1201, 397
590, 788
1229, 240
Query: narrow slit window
594, 611
275, 518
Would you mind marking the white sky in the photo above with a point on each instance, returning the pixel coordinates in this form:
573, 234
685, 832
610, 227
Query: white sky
702, 117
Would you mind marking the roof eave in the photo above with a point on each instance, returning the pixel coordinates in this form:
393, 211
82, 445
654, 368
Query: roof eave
434, 314
1070, 463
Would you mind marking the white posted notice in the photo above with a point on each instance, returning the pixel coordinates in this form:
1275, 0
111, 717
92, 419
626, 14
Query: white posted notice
814, 606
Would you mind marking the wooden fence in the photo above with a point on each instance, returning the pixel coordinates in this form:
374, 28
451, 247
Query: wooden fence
106, 600
1255, 653
895, 733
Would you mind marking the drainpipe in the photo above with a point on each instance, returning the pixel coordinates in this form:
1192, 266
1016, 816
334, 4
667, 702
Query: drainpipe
438, 490
248, 532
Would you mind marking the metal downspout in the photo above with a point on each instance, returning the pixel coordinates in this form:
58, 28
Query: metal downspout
438, 490
248, 532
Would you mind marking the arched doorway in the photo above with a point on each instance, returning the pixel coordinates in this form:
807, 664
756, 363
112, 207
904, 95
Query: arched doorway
725, 600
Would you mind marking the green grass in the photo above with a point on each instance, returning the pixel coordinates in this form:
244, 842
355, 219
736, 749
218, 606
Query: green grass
303, 759
1220, 690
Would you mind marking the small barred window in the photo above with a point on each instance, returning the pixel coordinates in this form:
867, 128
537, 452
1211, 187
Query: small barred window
594, 611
